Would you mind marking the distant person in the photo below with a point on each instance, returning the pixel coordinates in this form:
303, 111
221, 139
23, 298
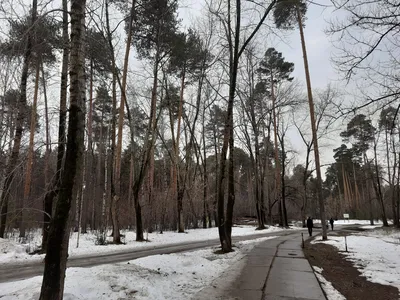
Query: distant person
331, 221
310, 225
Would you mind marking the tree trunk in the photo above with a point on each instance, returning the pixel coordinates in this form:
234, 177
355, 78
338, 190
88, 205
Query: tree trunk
48, 138
392, 178
29, 162
225, 222
87, 194
398, 192
117, 177
57, 250
180, 194
21, 115
304, 181
378, 189
54, 187
205, 170
313, 126
256, 158
278, 197
283, 187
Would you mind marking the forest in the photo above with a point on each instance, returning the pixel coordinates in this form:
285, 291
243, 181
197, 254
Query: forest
122, 114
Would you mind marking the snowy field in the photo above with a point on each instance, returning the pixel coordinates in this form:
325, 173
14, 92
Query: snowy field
13, 252
172, 276
375, 253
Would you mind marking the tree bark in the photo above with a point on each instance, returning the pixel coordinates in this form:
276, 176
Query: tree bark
224, 223
57, 250
54, 187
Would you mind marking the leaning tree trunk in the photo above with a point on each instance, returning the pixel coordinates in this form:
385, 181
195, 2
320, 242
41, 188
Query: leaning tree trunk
19, 126
29, 162
57, 250
54, 187
313, 126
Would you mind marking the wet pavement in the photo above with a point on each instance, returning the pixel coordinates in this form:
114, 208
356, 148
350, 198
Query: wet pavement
275, 269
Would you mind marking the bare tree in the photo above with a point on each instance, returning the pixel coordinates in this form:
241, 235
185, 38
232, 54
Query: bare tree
367, 45
235, 49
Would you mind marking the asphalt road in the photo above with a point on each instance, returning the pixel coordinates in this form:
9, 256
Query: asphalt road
20, 271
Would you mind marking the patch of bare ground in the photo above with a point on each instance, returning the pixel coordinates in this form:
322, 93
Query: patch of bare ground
344, 276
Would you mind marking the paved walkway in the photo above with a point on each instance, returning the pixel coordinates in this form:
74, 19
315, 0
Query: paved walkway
274, 270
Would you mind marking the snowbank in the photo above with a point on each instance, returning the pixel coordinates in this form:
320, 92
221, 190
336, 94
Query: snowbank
172, 276
330, 291
17, 253
10, 250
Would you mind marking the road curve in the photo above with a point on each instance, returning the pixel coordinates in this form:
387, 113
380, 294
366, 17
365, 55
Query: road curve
11, 272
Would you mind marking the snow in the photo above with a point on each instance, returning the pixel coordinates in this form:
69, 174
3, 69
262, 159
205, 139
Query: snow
330, 291
370, 226
376, 254
172, 276
351, 222
11, 251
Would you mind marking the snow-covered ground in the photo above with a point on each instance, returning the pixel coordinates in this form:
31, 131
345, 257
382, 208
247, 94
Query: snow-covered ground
172, 276
376, 254
13, 252
352, 222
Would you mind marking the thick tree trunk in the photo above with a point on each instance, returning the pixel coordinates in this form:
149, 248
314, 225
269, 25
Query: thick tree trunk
225, 221
283, 186
57, 250
54, 187
398, 192
313, 126
21, 115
